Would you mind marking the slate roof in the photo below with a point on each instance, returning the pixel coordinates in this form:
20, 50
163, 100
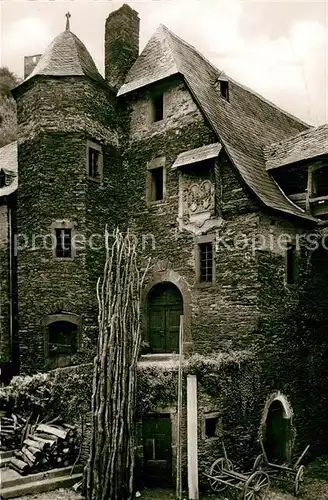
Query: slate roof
309, 144
66, 56
9, 163
199, 154
244, 125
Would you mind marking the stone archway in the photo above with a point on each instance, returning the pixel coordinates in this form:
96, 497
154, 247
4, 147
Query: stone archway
164, 308
163, 274
277, 432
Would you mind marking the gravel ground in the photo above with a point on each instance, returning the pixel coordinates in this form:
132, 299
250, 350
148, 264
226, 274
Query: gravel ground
313, 490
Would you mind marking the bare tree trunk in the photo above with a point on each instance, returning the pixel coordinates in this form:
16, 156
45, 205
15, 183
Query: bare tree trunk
109, 472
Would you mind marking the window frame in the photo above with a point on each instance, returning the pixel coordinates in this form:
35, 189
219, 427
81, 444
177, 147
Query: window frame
217, 415
96, 147
224, 84
62, 225
152, 107
155, 164
199, 240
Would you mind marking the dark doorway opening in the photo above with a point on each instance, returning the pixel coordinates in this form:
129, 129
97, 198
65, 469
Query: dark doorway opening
157, 450
62, 343
277, 434
164, 308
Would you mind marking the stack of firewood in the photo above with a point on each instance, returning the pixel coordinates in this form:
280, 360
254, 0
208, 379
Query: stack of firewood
11, 429
47, 446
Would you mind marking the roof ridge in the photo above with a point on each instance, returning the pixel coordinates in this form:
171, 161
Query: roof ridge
187, 44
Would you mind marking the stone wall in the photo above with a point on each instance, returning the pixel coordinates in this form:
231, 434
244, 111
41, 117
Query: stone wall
54, 187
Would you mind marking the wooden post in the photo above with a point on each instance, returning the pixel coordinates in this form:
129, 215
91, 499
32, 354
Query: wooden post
179, 455
192, 437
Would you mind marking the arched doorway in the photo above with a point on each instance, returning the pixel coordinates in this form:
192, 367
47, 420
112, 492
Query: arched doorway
61, 339
277, 436
164, 307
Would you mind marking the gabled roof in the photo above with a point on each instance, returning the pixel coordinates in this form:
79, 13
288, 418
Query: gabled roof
9, 164
304, 146
244, 125
66, 56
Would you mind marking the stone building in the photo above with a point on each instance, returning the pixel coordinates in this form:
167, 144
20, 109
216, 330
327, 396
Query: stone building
228, 196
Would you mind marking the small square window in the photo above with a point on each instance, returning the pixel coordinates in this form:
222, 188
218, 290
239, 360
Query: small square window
291, 265
205, 262
94, 161
158, 108
212, 426
63, 243
157, 184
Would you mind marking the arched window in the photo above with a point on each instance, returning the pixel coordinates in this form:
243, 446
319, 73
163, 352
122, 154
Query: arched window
61, 338
164, 308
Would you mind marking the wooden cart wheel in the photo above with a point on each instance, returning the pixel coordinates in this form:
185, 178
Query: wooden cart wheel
258, 463
257, 486
217, 472
299, 479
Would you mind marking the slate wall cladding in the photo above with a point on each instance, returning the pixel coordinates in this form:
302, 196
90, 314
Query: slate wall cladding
5, 346
52, 156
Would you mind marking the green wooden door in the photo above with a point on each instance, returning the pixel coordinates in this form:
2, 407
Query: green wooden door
164, 310
157, 449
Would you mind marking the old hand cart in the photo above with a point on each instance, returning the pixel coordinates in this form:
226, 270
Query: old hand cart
254, 486
284, 472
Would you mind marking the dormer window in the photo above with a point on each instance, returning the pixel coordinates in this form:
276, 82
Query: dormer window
157, 111
223, 86
320, 182
2, 179
224, 89
94, 161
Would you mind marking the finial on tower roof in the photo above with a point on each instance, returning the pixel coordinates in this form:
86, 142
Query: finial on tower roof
68, 15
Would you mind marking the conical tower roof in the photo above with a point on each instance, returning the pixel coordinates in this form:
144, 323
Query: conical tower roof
66, 56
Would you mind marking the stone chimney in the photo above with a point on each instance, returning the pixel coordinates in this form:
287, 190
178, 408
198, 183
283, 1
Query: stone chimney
29, 64
121, 44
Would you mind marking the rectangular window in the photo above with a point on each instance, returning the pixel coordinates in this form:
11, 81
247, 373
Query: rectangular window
320, 182
291, 265
63, 243
94, 161
205, 262
157, 184
212, 427
158, 108
224, 89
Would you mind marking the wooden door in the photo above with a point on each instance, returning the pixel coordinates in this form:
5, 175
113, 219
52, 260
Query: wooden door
164, 310
157, 450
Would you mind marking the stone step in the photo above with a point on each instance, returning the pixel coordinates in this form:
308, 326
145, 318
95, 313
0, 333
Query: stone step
13, 478
40, 486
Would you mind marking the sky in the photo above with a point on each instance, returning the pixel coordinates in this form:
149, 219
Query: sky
278, 48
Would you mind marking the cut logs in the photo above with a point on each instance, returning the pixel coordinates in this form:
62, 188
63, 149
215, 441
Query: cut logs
11, 430
47, 446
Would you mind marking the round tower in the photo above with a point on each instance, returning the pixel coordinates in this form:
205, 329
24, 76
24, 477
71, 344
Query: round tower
67, 145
